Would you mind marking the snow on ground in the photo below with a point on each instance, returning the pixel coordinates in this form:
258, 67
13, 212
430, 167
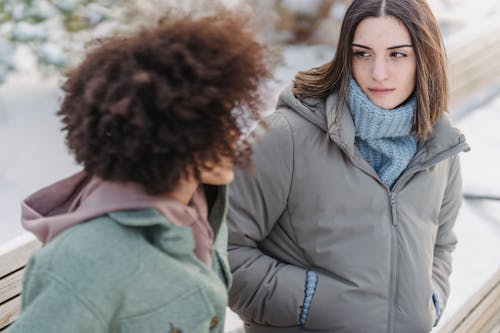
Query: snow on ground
32, 154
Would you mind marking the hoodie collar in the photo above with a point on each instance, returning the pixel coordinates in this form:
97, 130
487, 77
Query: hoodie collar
151, 217
78, 198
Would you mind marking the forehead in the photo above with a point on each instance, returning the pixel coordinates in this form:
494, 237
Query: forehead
381, 31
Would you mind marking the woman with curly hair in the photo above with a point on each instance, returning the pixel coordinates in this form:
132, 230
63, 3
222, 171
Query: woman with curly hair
136, 242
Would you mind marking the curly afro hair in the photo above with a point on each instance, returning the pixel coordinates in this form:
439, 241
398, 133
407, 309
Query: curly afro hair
161, 104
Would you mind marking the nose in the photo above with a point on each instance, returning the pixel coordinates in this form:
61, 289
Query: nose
380, 71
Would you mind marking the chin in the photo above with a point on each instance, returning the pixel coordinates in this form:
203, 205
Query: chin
227, 179
386, 105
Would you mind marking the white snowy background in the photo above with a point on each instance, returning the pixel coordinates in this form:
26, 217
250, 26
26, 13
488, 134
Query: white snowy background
32, 152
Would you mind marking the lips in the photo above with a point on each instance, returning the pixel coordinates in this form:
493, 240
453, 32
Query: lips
380, 91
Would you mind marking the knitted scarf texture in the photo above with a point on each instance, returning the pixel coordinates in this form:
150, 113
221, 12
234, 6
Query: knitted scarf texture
383, 136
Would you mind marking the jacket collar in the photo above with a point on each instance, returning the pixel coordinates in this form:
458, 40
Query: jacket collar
444, 140
340, 125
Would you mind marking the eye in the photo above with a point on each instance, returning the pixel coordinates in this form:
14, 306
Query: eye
361, 54
398, 54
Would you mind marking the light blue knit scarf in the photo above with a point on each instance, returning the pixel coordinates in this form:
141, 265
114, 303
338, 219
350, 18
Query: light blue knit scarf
383, 136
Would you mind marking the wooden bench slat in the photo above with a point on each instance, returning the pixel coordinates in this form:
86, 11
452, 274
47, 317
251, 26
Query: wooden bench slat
461, 40
14, 254
476, 48
468, 52
481, 313
9, 311
461, 70
4, 329
477, 78
10, 286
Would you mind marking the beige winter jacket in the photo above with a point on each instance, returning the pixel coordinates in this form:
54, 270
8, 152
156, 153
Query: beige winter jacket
313, 202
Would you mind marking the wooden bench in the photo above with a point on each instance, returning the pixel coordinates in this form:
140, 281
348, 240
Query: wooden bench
480, 314
13, 258
474, 65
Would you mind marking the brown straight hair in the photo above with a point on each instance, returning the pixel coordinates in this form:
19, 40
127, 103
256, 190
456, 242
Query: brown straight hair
431, 82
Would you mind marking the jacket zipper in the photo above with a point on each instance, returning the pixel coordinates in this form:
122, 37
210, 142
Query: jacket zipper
392, 198
394, 252
394, 262
394, 241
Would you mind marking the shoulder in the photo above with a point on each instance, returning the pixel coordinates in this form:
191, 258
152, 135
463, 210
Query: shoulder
273, 134
295, 123
90, 264
95, 249
277, 123
445, 135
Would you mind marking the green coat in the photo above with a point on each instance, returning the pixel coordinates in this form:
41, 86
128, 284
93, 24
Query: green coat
128, 271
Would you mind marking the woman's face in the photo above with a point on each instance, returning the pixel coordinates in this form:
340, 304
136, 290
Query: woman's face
384, 63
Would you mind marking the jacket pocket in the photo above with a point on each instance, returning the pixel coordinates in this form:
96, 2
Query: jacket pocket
189, 312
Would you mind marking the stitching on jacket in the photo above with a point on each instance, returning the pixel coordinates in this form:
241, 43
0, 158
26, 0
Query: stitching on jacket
287, 210
176, 300
91, 307
293, 156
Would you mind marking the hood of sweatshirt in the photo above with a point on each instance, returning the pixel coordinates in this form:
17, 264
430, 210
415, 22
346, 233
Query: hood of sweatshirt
81, 197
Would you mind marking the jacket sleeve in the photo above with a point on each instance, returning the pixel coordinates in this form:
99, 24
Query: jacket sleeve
446, 240
49, 305
264, 290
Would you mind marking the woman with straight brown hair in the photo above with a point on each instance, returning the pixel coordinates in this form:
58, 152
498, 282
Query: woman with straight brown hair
346, 223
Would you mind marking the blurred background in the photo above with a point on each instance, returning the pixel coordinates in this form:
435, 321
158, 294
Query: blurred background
40, 39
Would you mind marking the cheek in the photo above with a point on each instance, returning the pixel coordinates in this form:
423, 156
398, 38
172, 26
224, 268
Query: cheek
357, 72
361, 74
409, 80
411, 75
218, 176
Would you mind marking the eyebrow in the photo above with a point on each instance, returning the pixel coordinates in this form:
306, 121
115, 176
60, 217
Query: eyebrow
389, 48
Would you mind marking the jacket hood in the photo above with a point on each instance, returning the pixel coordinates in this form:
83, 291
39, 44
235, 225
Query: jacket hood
81, 197
311, 109
323, 114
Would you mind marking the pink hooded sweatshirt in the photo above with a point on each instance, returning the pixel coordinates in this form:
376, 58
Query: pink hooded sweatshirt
81, 197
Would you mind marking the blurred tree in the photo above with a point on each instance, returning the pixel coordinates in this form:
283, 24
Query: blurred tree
55, 30
299, 21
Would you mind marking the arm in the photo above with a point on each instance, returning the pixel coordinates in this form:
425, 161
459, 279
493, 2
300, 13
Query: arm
446, 239
264, 290
49, 305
